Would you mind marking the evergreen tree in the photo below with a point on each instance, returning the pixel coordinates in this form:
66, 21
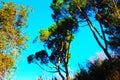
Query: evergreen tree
69, 15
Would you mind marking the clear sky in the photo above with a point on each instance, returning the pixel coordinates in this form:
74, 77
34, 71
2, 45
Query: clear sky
83, 47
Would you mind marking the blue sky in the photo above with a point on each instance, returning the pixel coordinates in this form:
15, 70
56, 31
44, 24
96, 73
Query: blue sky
83, 48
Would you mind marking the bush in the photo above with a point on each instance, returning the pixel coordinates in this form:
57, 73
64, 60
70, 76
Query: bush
104, 70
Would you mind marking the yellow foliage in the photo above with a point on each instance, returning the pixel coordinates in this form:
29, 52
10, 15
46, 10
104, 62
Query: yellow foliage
12, 40
6, 63
23, 12
44, 35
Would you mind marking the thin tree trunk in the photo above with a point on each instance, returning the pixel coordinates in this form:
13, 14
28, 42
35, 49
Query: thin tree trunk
67, 73
95, 36
60, 73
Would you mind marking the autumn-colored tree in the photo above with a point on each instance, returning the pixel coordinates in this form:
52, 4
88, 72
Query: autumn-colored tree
12, 40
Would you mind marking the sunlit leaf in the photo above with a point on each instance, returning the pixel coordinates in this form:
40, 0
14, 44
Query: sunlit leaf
44, 34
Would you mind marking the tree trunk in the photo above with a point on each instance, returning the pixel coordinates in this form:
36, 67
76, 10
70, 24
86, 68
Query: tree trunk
95, 36
60, 73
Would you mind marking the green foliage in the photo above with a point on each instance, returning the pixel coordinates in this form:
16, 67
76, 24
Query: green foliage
41, 56
44, 35
81, 3
105, 71
106, 12
52, 28
68, 16
69, 36
57, 39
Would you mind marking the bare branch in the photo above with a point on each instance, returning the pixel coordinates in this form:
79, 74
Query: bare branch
44, 69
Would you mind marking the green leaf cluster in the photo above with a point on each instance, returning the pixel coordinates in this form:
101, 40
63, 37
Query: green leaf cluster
100, 70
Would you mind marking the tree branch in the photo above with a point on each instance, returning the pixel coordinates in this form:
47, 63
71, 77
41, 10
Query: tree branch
58, 69
44, 69
92, 29
103, 33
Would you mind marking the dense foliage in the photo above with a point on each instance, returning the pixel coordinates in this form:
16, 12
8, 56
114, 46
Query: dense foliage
57, 39
12, 40
106, 13
100, 70
69, 15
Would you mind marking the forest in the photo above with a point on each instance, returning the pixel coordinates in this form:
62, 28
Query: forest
69, 17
